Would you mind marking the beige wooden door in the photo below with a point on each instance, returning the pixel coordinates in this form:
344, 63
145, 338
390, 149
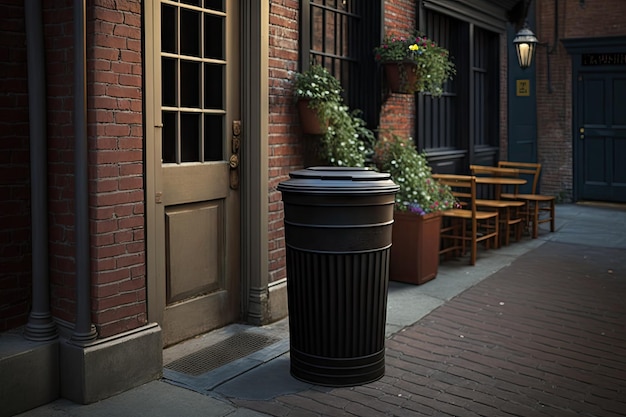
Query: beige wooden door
192, 145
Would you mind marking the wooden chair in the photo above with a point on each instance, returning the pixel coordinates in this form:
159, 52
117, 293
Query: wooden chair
539, 207
466, 226
508, 210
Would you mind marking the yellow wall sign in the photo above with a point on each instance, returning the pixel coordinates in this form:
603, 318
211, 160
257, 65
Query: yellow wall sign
523, 87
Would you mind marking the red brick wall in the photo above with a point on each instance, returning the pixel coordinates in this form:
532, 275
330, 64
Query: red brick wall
115, 141
554, 110
398, 115
286, 144
399, 16
116, 166
288, 149
15, 231
398, 110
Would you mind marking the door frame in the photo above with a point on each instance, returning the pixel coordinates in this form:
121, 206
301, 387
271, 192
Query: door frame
576, 48
153, 121
255, 163
254, 102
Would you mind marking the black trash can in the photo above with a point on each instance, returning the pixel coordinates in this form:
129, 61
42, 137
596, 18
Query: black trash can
338, 235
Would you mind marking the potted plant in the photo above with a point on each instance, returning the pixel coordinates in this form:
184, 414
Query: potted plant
414, 64
417, 217
345, 139
317, 93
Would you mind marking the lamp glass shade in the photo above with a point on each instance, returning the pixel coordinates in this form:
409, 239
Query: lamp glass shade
525, 43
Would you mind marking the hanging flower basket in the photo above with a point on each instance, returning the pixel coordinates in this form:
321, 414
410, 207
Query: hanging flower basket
401, 76
432, 64
310, 122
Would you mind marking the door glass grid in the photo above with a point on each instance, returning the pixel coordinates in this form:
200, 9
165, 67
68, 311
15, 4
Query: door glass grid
193, 80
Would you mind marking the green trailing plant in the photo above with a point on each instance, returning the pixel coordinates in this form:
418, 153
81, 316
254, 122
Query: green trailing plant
347, 141
431, 63
419, 192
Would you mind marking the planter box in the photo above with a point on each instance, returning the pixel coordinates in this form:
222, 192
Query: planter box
401, 77
309, 120
415, 247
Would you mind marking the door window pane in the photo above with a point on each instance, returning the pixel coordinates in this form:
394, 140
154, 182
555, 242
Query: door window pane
213, 36
213, 134
189, 134
213, 86
168, 82
168, 151
168, 28
214, 4
190, 32
189, 84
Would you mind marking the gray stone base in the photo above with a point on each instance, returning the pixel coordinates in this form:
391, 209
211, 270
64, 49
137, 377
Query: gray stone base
29, 373
278, 301
110, 366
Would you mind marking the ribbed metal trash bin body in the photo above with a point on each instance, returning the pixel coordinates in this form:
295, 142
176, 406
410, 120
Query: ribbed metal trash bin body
338, 235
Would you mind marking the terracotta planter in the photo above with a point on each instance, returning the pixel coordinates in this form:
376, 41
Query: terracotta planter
310, 123
415, 247
400, 76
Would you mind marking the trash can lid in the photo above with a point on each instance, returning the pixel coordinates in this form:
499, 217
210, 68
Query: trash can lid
338, 179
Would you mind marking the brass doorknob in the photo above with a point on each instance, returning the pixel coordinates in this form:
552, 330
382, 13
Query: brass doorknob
233, 161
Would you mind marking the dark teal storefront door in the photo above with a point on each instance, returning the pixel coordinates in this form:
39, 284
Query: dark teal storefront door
599, 117
600, 137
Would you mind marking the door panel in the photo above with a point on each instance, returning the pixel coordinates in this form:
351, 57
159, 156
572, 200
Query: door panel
194, 244
601, 137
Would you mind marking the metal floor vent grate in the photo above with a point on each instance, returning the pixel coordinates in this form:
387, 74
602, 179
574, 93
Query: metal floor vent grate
226, 351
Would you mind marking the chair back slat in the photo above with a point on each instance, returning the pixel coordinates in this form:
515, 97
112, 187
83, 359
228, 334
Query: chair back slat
463, 187
497, 172
526, 168
483, 170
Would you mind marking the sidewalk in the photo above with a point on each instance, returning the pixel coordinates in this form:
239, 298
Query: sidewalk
535, 328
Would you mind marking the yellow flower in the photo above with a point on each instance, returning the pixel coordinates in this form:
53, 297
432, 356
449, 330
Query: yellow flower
414, 47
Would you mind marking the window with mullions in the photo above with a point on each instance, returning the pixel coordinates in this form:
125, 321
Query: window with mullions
464, 121
437, 123
485, 78
340, 35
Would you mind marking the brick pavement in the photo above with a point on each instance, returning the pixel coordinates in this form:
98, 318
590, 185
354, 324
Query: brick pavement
545, 336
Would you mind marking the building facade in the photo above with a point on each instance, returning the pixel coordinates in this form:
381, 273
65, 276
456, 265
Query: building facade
143, 143
581, 101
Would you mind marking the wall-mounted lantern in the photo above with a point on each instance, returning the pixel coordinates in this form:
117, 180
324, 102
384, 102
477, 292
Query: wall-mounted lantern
525, 43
